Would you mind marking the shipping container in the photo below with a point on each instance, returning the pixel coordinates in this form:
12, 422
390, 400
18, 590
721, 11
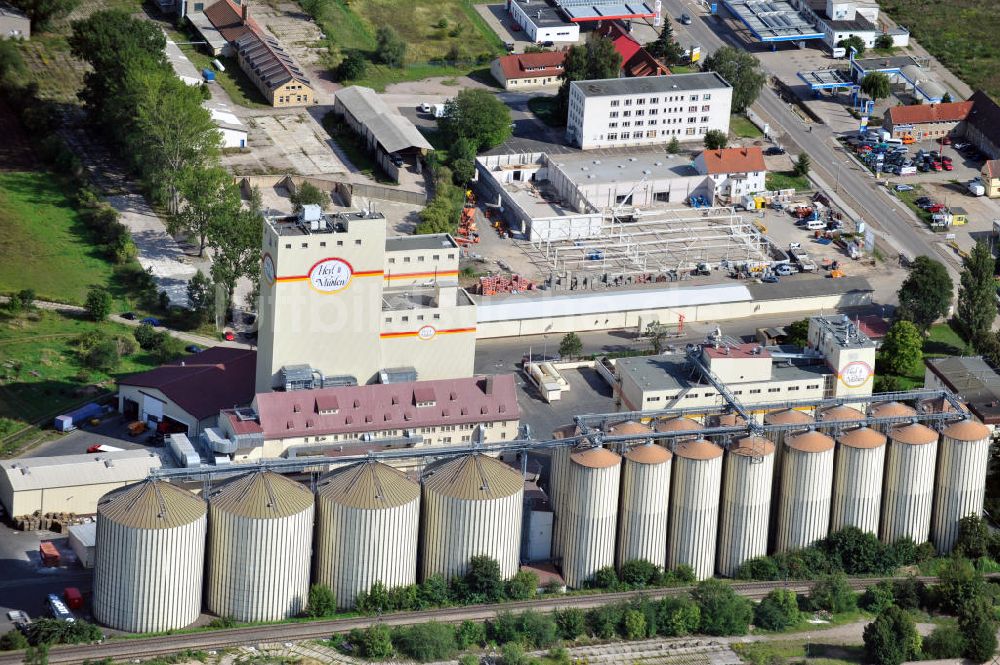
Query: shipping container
50, 555
74, 599
59, 610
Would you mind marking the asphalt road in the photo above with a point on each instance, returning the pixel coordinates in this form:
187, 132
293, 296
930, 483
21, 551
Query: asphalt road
896, 223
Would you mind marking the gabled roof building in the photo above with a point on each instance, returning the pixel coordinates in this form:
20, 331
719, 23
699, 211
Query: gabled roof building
528, 70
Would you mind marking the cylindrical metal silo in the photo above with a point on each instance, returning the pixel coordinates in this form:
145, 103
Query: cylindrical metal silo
859, 463
674, 425
806, 486
367, 523
645, 501
745, 509
558, 467
150, 557
890, 410
260, 529
473, 506
694, 506
785, 417
589, 514
840, 413
726, 420
909, 483
629, 427
961, 479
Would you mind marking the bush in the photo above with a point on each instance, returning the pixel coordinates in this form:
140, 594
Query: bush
946, 641
484, 581
572, 623
976, 622
377, 642
103, 356
639, 573
908, 592
677, 617
434, 591
834, 595
522, 586
856, 552
605, 578
877, 598
13, 640
321, 603
470, 634
353, 67
537, 629
778, 610
973, 539
51, 631
512, 653
723, 612
604, 621
468, 659
891, 638
98, 303
634, 625
426, 642
147, 337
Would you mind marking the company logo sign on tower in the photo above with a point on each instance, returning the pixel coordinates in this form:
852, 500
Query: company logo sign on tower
330, 275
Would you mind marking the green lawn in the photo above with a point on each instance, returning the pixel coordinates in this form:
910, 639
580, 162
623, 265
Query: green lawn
957, 32
237, 85
742, 127
355, 150
786, 180
379, 76
909, 197
547, 110
819, 653
684, 69
43, 243
942, 340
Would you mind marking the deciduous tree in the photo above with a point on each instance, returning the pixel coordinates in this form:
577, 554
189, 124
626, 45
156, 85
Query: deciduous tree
876, 85
902, 349
976, 306
716, 139
833, 594
742, 70
478, 116
309, 194
206, 196
570, 346
665, 46
597, 59
321, 602
98, 303
723, 611
797, 333
235, 242
891, 638
43, 12
854, 42
389, 46
778, 610
925, 295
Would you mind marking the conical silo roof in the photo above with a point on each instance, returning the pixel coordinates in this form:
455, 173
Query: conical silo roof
629, 427
697, 449
752, 446
892, 410
677, 425
595, 458
788, 417
368, 485
151, 504
262, 495
862, 437
809, 442
841, 412
967, 430
914, 435
474, 478
649, 453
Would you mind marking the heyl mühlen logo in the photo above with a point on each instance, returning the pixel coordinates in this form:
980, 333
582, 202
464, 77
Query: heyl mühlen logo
330, 275
427, 332
268, 268
856, 374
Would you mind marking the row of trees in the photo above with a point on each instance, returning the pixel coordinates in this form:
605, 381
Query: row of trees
50, 631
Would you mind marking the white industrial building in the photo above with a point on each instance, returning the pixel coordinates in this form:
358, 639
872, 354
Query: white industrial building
542, 22
232, 130
647, 110
736, 172
840, 19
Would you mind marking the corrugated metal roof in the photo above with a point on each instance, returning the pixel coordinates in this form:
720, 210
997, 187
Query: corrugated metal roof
36, 473
368, 485
151, 504
262, 494
474, 478
391, 130
85, 533
595, 458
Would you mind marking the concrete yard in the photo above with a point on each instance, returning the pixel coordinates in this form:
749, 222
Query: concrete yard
286, 142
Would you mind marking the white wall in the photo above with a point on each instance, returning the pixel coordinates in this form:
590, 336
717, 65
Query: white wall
569, 32
233, 138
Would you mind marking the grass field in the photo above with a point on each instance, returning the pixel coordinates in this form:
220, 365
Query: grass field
959, 33
743, 128
547, 110
379, 76
44, 245
767, 653
786, 180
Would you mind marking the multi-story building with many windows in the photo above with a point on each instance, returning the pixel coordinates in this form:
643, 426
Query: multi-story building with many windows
648, 110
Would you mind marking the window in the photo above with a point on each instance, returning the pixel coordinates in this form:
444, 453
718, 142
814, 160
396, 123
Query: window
288, 246
694, 98
702, 130
793, 388
436, 257
704, 118
323, 244
640, 112
652, 122
774, 390
812, 387
388, 319
638, 123
612, 137
706, 97
706, 107
406, 318
406, 259
199, 6
305, 245
692, 109
651, 134
654, 100
755, 391
653, 111
358, 241
613, 114
652, 399
340, 243
628, 102
640, 101
663, 197
392, 259
626, 114
627, 123
737, 392
612, 125
614, 102
419, 259
451, 256
420, 317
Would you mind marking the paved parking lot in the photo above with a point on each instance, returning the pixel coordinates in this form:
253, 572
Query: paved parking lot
588, 393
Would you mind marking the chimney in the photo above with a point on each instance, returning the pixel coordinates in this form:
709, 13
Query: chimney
489, 385
246, 12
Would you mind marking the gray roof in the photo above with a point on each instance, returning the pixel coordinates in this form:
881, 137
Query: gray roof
589, 168
429, 241
266, 57
10, 11
974, 381
651, 84
36, 473
806, 287
672, 372
391, 130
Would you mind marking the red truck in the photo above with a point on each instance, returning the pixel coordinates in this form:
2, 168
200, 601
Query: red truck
74, 599
50, 555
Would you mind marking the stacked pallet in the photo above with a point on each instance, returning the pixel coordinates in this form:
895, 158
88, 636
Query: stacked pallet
492, 285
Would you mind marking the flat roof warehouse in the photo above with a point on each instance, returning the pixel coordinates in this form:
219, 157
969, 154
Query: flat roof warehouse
651, 84
773, 20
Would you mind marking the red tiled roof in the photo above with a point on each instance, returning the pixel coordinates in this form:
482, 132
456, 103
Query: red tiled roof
923, 113
739, 351
532, 65
204, 383
240, 425
992, 168
644, 64
625, 45
227, 17
734, 160
873, 325
388, 406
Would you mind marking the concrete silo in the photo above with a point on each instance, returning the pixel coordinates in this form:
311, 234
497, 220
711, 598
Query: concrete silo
473, 506
589, 517
961, 479
694, 506
909, 483
645, 501
745, 508
629, 427
806, 486
727, 420
674, 425
784, 417
839, 413
367, 524
558, 467
260, 529
149, 557
891, 410
857, 480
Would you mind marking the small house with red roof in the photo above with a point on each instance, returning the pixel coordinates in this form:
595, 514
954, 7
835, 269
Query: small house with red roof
735, 171
991, 177
636, 61
520, 71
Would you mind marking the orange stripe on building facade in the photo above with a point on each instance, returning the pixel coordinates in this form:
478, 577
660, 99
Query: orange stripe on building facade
411, 275
416, 333
305, 278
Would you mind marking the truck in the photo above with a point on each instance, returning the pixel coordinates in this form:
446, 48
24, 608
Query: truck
976, 187
439, 110
74, 599
70, 421
49, 553
800, 257
58, 609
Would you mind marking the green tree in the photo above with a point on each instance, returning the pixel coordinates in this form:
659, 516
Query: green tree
321, 602
484, 579
377, 644
639, 573
961, 584
390, 47
677, 616
207, 195
974, 537
883, 42
478, 116
635, 625
201, 296
12, 640
235, 239
723, 611
426, 642
434, 591
925, 295
778, 610
103, 356
665, 46
876, 85
877, 598
597, 59
976, 622
946, 98
716, 139
891, 638
537, 630
674, 146
98, 303
12, 66
572, 623
658, 335
309, 194
570, 346
742, 70
802, 165
146, 336
946, 641
43, 12
512, 653
375, 600
833, 594
855, 42
522, 586
902, 349
605, 578
354, 66
37, 655
976, 306
797, 333
470, 634
605, 620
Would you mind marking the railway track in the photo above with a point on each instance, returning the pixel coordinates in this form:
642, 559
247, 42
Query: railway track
148, 647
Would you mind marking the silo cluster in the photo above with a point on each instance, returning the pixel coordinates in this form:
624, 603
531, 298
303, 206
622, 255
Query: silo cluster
960, 489
846, 415
694, 506
368, 519
674, 426
645, 500
472, 506
909, 483
588, 523
149, 558
745, 508
857, 480
891, 410
806, 485
259, 548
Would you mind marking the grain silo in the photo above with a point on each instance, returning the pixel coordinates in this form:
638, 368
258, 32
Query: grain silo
849, 416
589, 517
745, 508
909, 483
961, 479
645, 502
727, 420
859, 463
149, 558
473, 506
890, 410
694, 506
674, 425
260, 529
629, 427
367, 523
785, 418
806, 485
558, 467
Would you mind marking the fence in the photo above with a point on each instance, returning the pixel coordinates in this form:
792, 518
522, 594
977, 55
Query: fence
345, 190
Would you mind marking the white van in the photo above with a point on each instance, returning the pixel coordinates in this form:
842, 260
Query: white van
815, 225
893, 141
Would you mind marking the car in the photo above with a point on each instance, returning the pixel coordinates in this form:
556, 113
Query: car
151, 321
946, 160
923, 199
129, 316
426, 108
936, 166
548, 43
685, 19
229, 335
396, 160
936, 208
960, 145
784, 270
948, 166
922, 166
903, 188
908, 140
769, 279
540, 358
775, 150
192, 348
249, 318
